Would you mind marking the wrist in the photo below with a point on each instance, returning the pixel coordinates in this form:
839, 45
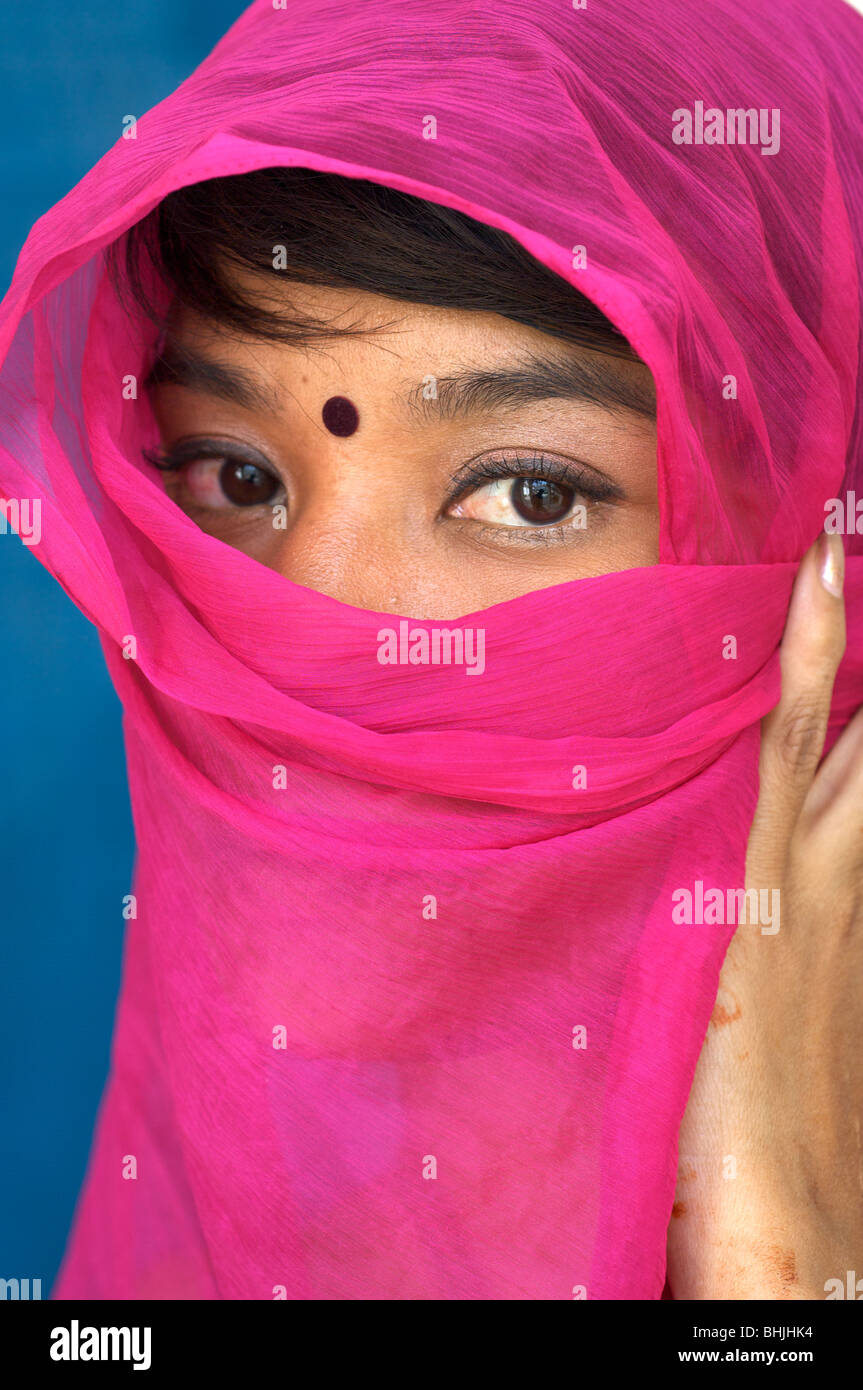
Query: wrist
730, 1245
743, 1266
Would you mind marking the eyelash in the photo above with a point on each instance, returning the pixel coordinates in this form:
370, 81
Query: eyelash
584, 483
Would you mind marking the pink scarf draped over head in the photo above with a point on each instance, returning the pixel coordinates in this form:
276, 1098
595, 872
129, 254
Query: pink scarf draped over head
410, 1007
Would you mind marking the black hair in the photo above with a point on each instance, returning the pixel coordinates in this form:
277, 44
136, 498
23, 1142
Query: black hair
340, 233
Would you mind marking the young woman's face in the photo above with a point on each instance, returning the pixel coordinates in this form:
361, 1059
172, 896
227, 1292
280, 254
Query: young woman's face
474, 474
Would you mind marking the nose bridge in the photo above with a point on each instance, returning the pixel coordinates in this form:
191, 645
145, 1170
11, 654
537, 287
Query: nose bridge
342, 540
318, 554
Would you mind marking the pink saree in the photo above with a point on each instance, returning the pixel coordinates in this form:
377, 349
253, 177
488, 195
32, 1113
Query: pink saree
407, 1011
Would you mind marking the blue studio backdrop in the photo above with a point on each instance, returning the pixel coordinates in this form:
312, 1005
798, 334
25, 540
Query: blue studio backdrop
70, 73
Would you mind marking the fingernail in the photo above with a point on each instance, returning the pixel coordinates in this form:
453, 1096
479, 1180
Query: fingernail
831, 562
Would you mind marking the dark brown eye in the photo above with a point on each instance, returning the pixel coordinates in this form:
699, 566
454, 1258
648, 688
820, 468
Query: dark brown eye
246, 485
541, 500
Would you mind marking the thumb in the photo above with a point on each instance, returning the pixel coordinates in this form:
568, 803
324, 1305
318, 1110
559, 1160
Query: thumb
793, 733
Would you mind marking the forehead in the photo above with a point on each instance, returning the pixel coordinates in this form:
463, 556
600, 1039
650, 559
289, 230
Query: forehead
478, 360
340, 321
367, 326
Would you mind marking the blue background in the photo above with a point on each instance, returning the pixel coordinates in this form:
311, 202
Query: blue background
68, 75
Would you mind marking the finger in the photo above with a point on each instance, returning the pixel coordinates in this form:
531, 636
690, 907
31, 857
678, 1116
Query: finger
836, 795
793, 733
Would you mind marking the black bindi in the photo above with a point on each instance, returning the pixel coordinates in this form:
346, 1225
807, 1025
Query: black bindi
340, 415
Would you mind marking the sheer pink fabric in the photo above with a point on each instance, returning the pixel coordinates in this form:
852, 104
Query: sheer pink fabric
406, 1014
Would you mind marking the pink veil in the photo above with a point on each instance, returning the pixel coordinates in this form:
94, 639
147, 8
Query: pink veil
406, 1012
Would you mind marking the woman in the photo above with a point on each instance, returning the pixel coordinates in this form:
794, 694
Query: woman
444, 662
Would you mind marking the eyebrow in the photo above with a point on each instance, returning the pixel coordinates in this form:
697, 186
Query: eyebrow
467, 391
182, 367
535, 378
